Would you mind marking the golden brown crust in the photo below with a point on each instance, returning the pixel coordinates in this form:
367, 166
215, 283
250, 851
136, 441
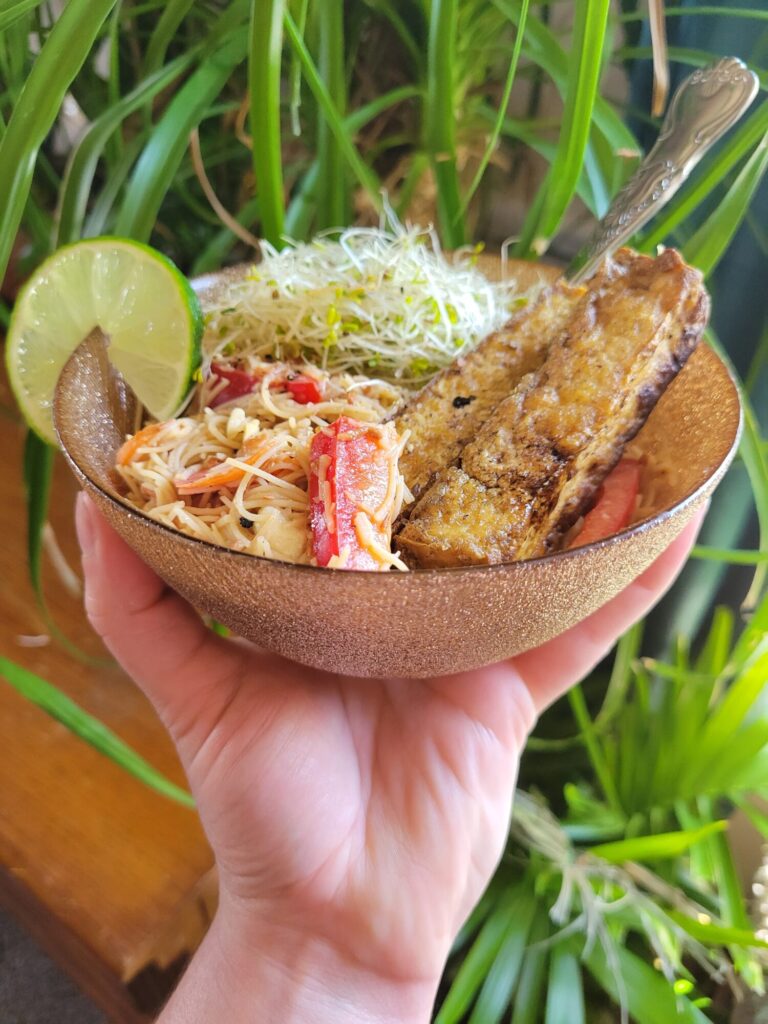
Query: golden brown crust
478, 382
535, 465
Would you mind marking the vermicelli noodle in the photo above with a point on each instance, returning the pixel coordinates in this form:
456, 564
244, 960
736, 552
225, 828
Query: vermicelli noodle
237, 475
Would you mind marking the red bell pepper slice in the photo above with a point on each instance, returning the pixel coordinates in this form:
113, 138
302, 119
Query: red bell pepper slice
350, 472
301, 387
239, 383
304, 389
614, 506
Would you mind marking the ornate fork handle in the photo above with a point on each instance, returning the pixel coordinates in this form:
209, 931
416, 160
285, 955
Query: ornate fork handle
704, 107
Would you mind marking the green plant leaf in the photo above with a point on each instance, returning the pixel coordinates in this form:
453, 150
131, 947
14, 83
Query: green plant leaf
713, 657
332, 209
715, 751
596, 753
59, 706
364, 174
716, 934
559, 186
10, 12
631, 982
541, 46
657, 847
81, 166
529, 997
172, 14
755, 458
396, 19
38, 469
722, 12
522, 130
61, 57
493, 140
160, 160
477, 962
439, 119
565, 994
264, 64
730, 555
499, 984
705, 249
100, 215
214, 254
485, 905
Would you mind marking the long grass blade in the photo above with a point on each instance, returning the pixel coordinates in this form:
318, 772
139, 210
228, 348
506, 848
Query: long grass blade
715, 934
214, 254
705, 249
733, 909
158, 164
101, 214
627, 649
642, 990
496, 993
559, 186
542, 47
59, 706
332, 210
501, 114
61, 57
301, 210
729, 555
565, 995
173, 13
592, 743
364, 174
11, 12
721, 12
264, 63
656, 847
83, 161
390, 11
478, 960
755, 458
439, 119
530, 989
591, 186
38, 469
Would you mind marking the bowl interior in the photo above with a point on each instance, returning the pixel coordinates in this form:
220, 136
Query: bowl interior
429, 620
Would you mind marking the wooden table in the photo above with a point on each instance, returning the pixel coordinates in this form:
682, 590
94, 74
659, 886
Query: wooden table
113, 880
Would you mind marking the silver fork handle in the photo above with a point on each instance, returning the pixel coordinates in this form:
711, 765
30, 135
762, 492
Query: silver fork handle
703, 108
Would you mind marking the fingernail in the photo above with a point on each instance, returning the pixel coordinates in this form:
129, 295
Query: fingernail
86, 530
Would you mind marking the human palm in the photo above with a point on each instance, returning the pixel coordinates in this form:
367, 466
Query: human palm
368, 813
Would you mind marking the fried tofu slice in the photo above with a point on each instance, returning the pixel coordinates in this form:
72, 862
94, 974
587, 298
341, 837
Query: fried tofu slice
450, 410
536, 464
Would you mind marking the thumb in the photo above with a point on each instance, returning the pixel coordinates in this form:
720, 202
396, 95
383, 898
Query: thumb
187, 672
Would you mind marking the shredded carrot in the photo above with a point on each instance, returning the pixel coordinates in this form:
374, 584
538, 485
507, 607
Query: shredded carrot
132, 445
213, 480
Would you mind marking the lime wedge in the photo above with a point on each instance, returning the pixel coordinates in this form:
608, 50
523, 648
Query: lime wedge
140, 300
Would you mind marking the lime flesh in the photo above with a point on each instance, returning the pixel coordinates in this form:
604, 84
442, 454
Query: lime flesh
142, 303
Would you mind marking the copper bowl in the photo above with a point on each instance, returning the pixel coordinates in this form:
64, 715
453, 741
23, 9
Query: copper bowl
429, 621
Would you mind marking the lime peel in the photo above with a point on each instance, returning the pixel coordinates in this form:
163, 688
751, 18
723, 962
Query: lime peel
135, 295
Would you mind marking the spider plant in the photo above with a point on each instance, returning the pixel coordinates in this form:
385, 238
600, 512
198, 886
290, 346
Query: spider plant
209, 123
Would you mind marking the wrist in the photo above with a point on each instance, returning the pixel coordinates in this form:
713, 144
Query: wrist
268, 973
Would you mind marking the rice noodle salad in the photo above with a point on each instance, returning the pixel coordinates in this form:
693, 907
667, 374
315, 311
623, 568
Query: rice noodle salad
286, 449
